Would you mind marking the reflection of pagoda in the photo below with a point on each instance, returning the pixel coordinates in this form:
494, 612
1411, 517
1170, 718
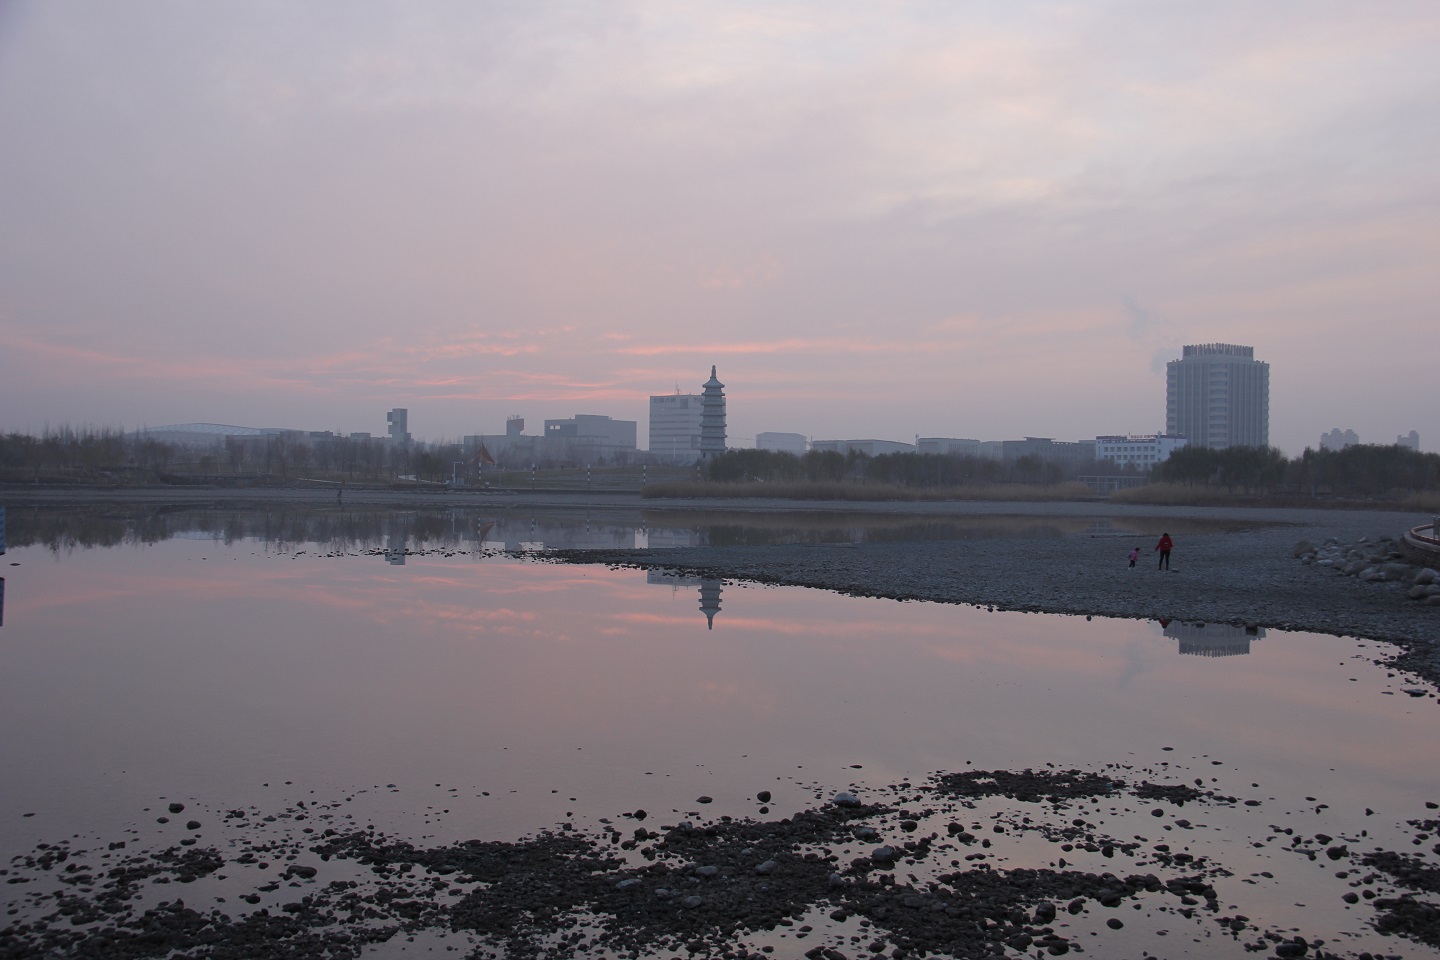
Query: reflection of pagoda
710, 600
1212, 639
709, 590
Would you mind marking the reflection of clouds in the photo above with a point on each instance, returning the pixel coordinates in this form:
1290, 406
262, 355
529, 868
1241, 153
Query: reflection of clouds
1139, 659
448, 652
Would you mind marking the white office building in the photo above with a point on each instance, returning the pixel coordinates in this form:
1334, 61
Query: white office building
675, 427
1142, 451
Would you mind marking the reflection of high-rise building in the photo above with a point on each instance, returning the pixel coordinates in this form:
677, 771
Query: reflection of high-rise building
1212, 639
395, 550
1218, 395
712, 418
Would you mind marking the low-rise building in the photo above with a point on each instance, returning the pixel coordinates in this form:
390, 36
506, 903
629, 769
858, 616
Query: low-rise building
588, 436
947, 446
784, 442
1064, 451
1138, 450
870, 448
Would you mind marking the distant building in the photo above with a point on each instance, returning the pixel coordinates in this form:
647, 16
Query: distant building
1143, 451
992, 449
1218, 395
589, 437
870, 448
675, 427
1061, 451
784, 442
1412, 441
712, 418
1338, 439
947, 446
399, 421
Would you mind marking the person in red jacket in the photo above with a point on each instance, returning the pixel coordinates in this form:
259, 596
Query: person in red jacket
1164, 546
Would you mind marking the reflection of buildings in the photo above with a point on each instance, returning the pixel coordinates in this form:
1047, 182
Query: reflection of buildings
709, 590
710, 601
2, 601
1212, 639
395, 550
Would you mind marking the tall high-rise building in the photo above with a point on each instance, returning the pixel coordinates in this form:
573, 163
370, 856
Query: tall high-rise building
712, 418
675, 427
1217, 395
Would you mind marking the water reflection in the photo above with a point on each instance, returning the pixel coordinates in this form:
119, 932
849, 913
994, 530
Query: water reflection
709, 590
511, 696
521, 528
1211, 639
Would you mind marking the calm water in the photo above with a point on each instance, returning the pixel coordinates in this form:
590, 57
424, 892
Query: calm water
481, 696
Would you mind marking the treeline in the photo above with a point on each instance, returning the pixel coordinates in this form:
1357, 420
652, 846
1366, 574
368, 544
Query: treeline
1358, 471
1364, 470
103, 455
915, 470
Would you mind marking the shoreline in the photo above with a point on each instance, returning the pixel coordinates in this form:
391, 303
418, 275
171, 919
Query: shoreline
1243, 573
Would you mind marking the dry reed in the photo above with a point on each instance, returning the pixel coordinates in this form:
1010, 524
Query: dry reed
867, 491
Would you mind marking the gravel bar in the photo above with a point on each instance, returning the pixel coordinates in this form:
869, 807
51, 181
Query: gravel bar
1247, 574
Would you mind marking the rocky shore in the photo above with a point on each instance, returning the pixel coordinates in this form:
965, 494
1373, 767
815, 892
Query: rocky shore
902, 870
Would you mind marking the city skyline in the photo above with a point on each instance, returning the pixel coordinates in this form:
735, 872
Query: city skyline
995, 221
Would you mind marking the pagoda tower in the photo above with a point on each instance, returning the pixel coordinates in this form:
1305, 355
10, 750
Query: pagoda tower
712, 418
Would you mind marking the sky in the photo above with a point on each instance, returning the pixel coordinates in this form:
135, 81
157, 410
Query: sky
876, 219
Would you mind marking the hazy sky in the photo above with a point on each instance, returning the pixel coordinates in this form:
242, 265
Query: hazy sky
879, 219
